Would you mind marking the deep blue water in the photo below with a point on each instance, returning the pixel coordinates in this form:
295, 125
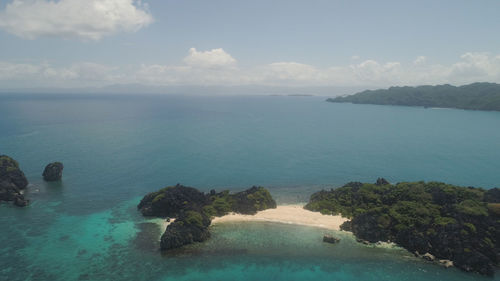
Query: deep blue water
117, 148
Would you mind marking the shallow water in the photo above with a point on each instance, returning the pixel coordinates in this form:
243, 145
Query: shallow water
116, 149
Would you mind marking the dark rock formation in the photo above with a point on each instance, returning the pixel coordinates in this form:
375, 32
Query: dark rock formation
381, 181
53, 171
346, 226
330, 239
193, 210
12, 182
189, 227
492, 195
363, 241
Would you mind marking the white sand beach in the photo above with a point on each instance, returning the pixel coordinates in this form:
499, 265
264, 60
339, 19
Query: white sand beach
289, 214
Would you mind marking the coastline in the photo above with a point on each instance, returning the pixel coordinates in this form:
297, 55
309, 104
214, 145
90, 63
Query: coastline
287, 214
162, 223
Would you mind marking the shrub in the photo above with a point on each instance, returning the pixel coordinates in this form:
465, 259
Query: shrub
194, 218
471, 227
472, 208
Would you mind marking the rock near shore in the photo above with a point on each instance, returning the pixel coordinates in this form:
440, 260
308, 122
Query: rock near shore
330, 239
12, 182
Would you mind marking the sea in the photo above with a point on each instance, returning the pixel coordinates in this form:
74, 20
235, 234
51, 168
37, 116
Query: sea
117, 148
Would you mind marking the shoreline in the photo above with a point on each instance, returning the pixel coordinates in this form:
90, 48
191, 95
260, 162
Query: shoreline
286, 214
162, 223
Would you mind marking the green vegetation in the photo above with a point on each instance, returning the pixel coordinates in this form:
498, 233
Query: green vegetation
194, 218
8, 162
476, 96
159, 197
448, 221
473, 208
221, 204
246, 202
261, 197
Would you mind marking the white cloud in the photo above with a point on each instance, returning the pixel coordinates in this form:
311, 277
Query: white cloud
207, 59
476, 67
46, 75
419, 60
84, 19
14, 71
355, 57
216, 67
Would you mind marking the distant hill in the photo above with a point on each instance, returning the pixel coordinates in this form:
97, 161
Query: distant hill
476, 96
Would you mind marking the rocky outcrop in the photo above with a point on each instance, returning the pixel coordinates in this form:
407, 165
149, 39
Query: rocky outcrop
446, 263
12, 182
492, 195
330, 239
381, 181
189, 227
429, 257
53, 171
193, 210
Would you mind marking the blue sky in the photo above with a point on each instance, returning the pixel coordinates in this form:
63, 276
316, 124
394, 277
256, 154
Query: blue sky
78, 43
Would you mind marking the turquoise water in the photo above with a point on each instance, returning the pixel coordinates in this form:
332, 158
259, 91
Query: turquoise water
117, 148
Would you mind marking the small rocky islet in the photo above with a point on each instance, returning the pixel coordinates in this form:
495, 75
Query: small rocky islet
53, 171
194, 209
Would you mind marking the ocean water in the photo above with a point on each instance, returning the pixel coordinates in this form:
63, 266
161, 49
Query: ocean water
117, 148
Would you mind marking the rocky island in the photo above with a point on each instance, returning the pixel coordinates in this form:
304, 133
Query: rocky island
434, 220
53, 171
193, 210
12, 182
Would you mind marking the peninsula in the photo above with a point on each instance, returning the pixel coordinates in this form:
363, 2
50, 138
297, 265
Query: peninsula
434, 220
476, 96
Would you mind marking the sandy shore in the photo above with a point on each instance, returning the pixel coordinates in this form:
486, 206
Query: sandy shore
289, 214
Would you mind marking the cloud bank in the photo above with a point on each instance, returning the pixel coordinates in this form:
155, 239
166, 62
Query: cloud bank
83, 19
209, 59
218, 68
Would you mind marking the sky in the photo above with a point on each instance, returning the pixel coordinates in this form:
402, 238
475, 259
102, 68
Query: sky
260, 43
